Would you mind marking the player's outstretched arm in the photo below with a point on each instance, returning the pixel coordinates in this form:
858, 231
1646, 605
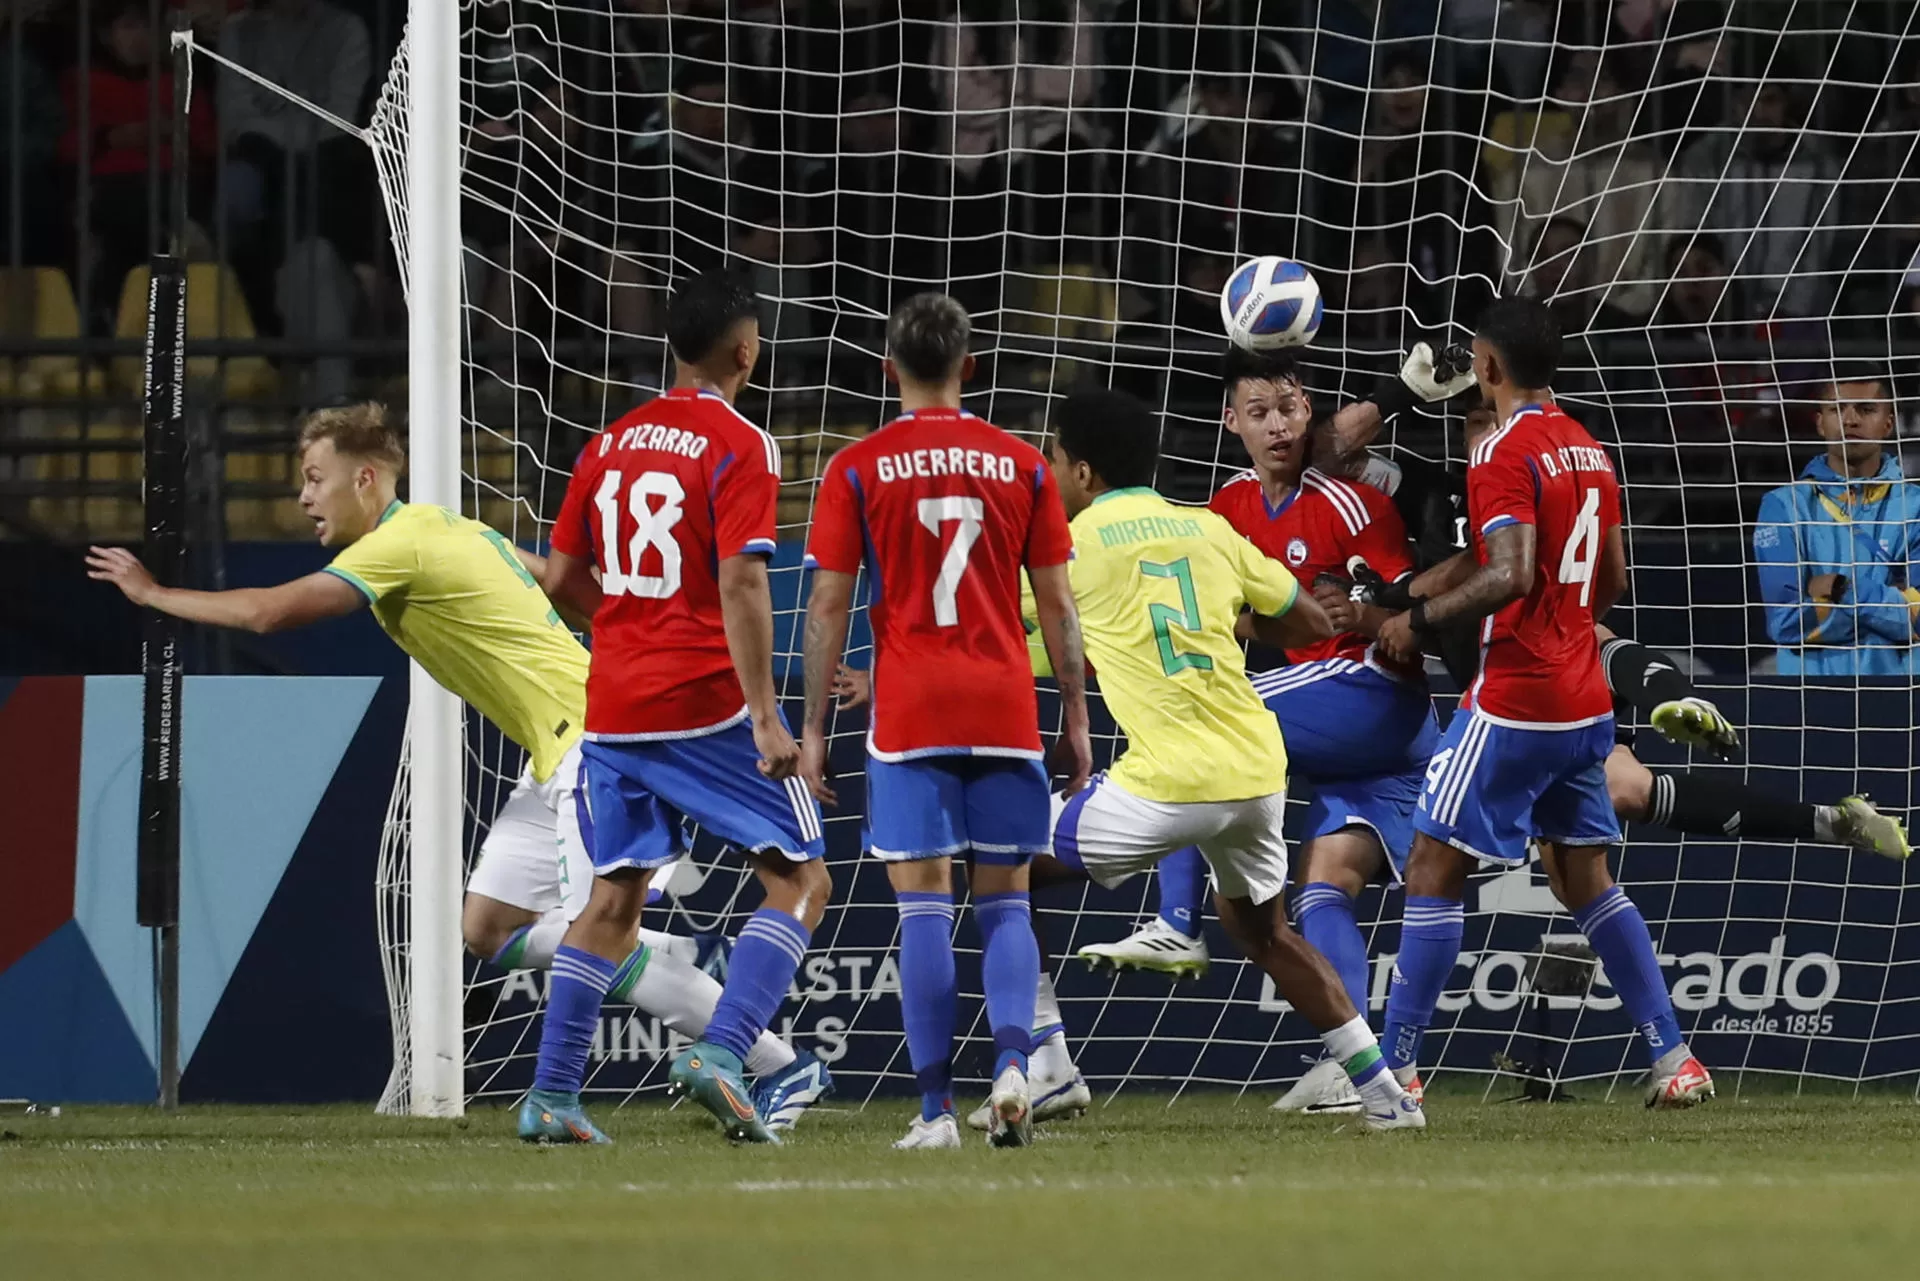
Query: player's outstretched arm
1060, 630
828, 609
1423, 376
1504, 578
746, 612
252, 609
1304, 623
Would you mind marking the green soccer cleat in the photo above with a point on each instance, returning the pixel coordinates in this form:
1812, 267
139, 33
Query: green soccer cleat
1858, 822
548, 1116
712, 1077
1695, 722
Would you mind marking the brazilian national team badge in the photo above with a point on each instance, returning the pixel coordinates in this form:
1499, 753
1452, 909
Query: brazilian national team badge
1296, 551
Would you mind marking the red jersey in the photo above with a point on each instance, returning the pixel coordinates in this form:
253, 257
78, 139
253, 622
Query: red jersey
944, 508
1539, 662
1319, 529
657, 501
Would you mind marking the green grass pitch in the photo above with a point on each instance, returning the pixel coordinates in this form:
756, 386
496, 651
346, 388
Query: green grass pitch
1761, 1187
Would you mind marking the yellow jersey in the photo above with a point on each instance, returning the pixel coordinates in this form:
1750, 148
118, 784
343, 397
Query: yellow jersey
453, 595
1159, 589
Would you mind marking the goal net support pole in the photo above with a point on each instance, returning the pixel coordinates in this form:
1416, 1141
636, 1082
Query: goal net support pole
435, 965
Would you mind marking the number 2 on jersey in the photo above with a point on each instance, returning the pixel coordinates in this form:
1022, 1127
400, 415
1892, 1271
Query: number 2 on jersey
1583, 547
935, 512
651, 528
1164, 617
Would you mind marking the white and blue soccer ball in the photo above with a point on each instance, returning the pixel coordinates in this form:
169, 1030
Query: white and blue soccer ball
1269, 303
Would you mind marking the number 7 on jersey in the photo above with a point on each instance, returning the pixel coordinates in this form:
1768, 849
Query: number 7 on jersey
935, 512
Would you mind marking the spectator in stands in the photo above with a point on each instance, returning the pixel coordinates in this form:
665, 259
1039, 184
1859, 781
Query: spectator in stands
1771, 192
883, 201
1562, 273
127, 207
29, 143
972, 104
298, 194
1688, 92
1580, 160
1057, 176
1839, 549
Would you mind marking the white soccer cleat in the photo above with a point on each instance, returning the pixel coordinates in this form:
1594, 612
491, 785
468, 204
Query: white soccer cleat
1155, 946
1405, 1114
1323, 1088
1695, 722
1054, 1099
1010, 1110
1859, 822
1684, 1087
940, 1132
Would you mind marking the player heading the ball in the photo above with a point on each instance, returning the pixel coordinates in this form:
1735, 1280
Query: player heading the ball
672, 508
943, 510
1524, 758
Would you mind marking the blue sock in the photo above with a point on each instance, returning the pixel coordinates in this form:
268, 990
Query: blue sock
1619, 935
1429, 945
1324, 914
928, 995
1009, 972
1183, 888
575, 988
770, 948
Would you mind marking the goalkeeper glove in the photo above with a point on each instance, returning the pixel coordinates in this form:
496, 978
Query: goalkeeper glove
1424, 377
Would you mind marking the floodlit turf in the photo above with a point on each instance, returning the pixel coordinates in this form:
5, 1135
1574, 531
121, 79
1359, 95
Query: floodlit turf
1210, 1187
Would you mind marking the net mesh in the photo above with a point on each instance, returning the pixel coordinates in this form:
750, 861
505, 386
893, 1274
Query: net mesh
1720, 201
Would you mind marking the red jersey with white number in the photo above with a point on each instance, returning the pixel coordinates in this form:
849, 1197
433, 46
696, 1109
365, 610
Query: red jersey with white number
1539, 662
1319, 529
657, 501
943, 509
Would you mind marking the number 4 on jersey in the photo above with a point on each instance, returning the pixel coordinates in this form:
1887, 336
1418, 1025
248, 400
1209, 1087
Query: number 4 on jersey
1583, 547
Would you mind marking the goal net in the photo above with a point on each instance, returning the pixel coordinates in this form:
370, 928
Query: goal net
1719, 200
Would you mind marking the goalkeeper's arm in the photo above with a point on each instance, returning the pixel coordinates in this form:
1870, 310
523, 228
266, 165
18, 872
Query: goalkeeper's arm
1340, 441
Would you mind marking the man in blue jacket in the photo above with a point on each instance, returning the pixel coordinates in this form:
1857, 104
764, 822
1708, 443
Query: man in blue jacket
1839, 549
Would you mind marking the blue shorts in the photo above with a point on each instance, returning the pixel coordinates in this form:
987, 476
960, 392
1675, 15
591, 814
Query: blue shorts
934, 806
1492, 788
1361, 739
640, 798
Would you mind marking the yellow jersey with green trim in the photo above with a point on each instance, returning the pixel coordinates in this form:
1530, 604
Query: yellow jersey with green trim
453, 595
1159, 589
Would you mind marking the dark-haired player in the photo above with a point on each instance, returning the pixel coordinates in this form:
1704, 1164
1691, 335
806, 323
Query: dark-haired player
1164, 592
1698, 802
1524, 758
673, 508
944, 510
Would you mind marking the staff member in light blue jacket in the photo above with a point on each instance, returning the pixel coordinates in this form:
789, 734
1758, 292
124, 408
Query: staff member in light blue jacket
1839, 549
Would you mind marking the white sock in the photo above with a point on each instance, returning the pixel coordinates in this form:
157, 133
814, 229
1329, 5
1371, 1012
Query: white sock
1670, 1062
1046, 1005
682, 996
679, 945
1406, 1074
1354, 1039
541, 941
1051, 1059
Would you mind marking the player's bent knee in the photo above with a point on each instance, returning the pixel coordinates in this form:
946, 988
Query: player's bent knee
1436, 869
486, 924
1629, 786
1576, 876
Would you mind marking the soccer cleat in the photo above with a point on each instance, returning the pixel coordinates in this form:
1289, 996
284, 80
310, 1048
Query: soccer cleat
1689, 1084
1323, 1088
783, 1097
1155, 946
1010, 1110
1405, 1114
548, 1116
1060, 1099
940, 1132
1859, 822
711, 1076
1695, 722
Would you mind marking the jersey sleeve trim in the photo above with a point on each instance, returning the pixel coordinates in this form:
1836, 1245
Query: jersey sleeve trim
759, 547
1501, 521
354, 579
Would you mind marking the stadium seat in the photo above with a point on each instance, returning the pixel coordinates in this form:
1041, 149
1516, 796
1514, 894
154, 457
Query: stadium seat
216, 308
38, 302
115, 461
1077, 301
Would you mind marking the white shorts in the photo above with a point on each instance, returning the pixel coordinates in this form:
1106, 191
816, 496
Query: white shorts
1111, 834
534, 857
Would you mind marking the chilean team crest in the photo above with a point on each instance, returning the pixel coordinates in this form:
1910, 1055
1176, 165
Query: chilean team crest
1296, 552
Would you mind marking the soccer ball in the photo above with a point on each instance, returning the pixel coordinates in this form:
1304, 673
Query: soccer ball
1271, 303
